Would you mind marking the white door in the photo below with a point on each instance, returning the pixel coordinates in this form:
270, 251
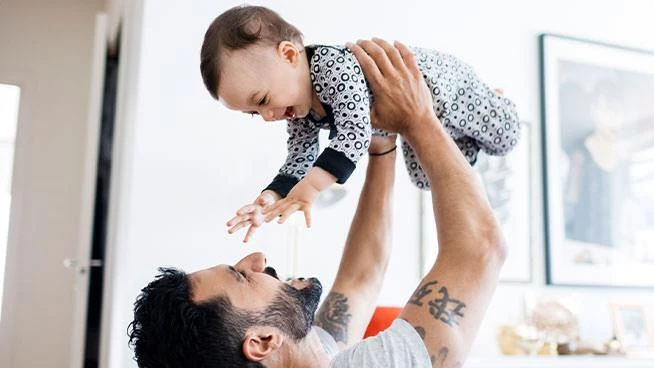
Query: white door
81, 262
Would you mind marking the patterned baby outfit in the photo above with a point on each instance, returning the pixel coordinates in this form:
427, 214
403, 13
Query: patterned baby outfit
476, 117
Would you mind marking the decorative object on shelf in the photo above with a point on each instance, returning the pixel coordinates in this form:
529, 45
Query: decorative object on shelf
521, 339
507, 180
554, 315
632, 329
598, 150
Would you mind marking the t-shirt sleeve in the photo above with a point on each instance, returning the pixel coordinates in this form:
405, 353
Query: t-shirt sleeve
399, 346
339, 82
303, 147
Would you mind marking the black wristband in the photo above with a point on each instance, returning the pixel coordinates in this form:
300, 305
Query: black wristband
383, 153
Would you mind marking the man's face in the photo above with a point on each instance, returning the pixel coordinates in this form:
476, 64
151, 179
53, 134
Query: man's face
254, 288
271, 81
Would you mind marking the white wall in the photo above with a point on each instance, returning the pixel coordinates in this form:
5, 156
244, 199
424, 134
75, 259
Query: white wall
186, 163
45, 48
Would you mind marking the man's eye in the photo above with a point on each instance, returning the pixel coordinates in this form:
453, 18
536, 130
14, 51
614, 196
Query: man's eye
242, 274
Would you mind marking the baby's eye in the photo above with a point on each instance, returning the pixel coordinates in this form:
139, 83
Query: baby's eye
263, 101
252, 113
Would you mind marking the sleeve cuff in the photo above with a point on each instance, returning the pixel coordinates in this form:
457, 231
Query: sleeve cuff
282, 184
336, 163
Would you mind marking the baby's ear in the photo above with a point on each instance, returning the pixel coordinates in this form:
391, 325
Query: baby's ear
289, 52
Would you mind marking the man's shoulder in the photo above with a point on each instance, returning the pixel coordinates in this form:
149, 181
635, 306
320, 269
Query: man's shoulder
398, 346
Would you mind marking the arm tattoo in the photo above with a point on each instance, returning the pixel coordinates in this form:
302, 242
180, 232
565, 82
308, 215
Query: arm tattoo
443, 308
421, 331
333, 316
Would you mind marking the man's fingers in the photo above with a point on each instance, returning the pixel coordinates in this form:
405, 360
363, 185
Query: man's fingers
392, 53
407, 56
378, 56
368, 66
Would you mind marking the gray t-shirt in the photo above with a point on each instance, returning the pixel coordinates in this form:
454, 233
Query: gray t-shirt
399, 346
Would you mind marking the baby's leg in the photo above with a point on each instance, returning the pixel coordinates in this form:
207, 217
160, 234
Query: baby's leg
467, 145
379, 132
417, 176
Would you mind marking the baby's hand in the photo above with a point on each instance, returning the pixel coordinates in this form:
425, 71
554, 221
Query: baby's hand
299, 198
252, 214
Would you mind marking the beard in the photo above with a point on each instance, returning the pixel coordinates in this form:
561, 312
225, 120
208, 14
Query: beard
293, 310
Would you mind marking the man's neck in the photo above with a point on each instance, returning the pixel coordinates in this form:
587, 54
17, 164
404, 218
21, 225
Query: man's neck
307, 353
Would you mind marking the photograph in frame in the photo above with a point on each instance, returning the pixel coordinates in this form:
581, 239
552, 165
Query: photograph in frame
632, 328
598, 151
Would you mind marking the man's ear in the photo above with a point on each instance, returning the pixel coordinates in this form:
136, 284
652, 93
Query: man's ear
260, 342
289, 52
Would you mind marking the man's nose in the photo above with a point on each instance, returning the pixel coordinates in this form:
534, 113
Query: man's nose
255, 262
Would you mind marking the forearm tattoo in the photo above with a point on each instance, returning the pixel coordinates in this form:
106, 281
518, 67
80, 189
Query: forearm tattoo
443, 308
437, 361
333, 316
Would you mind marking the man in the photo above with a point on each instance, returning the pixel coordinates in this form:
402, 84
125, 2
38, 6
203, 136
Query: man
244, 316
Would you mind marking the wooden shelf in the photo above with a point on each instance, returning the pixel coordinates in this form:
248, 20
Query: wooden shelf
560, 362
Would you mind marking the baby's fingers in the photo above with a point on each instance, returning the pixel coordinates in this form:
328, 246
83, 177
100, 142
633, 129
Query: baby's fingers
307, 216
288, 211
248, 208
250, 232
273, 211
236, 219
238, 227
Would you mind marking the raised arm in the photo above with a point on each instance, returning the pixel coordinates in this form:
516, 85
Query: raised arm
449, 304
349, 305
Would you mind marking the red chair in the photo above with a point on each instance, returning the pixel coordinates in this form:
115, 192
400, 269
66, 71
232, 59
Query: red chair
382, 319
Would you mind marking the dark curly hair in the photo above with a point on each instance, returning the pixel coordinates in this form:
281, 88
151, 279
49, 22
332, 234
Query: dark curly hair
238, 28
170, 330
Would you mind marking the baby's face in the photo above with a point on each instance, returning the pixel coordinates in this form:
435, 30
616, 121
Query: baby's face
269, 81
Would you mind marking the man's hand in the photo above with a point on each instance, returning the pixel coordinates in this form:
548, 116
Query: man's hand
252, 214
300, 198
401, 94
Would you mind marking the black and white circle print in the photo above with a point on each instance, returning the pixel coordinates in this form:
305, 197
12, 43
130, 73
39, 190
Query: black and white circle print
473, 114
348, 98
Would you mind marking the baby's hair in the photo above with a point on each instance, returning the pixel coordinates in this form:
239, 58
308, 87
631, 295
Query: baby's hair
239, 28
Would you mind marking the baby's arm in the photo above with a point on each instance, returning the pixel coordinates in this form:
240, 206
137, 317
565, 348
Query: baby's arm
341, 87
302, 147
301, 197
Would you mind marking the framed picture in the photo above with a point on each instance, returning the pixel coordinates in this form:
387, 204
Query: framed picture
598, 151
507, 180
632, 328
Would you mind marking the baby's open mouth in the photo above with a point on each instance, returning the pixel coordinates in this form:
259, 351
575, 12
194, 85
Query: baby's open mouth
289, 113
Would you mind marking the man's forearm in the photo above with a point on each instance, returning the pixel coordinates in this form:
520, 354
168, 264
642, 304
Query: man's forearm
368, 243
464, 218
347, 309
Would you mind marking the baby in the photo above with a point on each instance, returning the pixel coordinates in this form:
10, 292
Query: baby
255, 62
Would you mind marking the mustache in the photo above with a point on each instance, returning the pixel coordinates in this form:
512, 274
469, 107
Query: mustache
271, 272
